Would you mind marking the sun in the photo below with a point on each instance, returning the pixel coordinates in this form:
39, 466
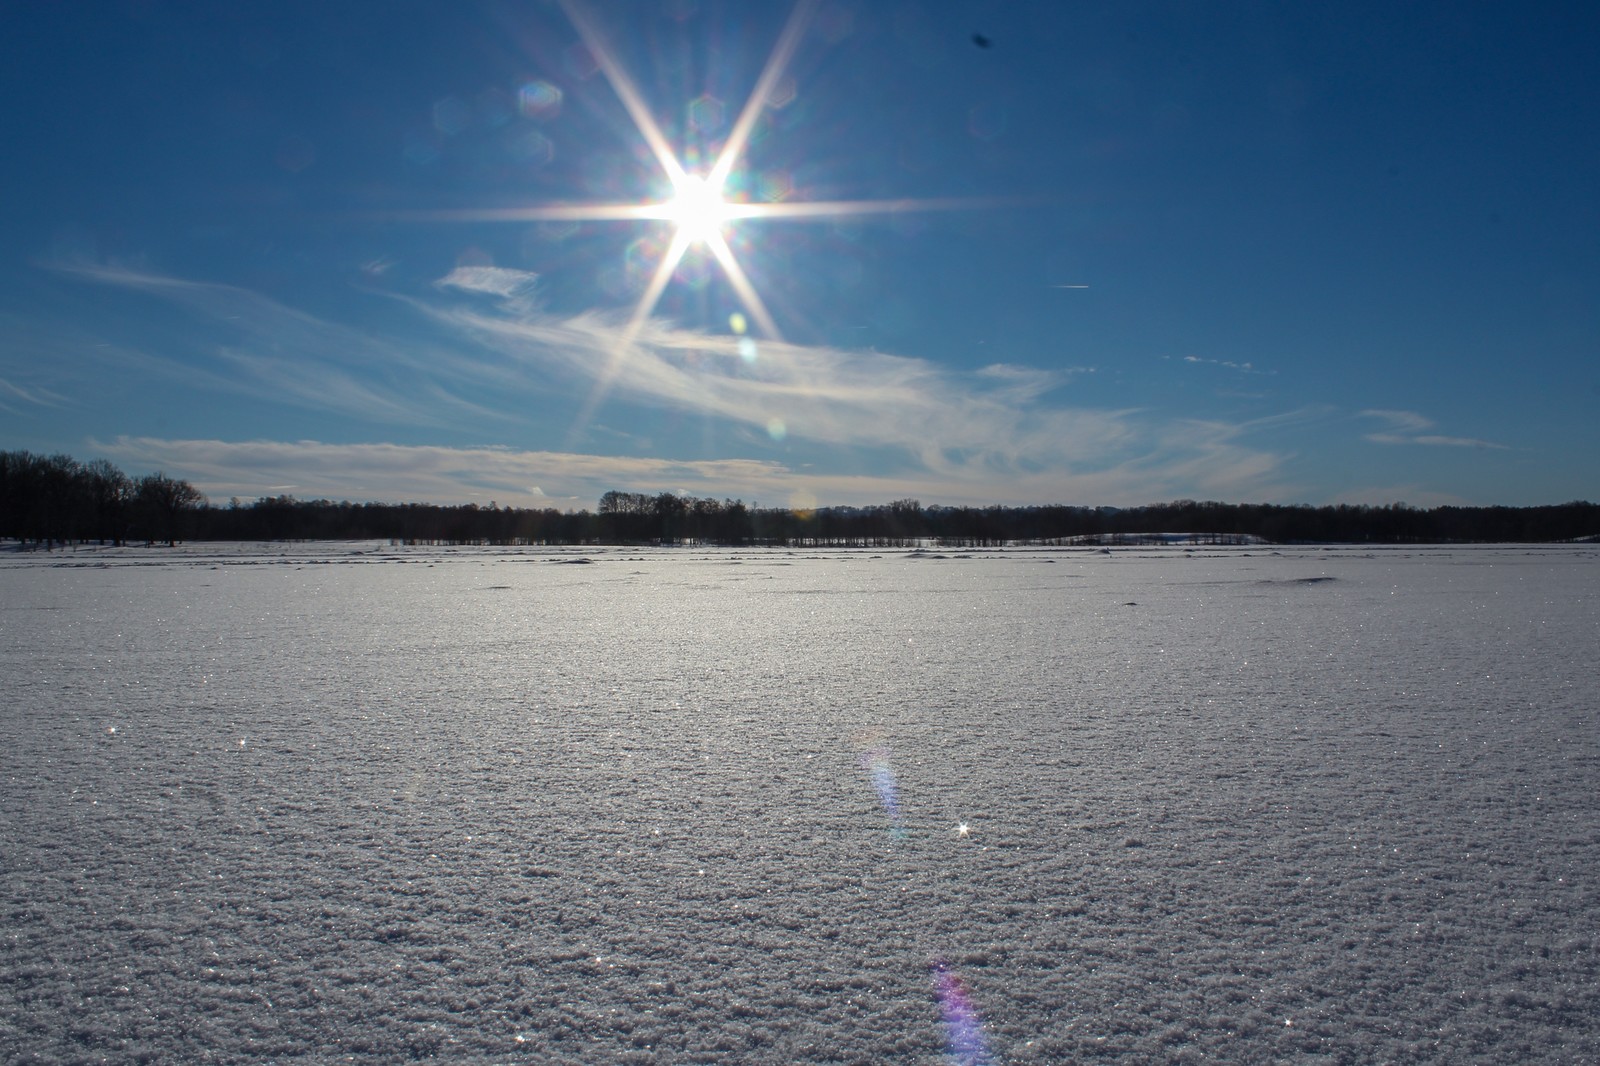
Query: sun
697, 210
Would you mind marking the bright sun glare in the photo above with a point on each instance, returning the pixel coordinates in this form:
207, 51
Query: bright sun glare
697, 210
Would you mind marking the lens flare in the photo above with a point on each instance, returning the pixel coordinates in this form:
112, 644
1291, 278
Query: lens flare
965, 1043
876, 763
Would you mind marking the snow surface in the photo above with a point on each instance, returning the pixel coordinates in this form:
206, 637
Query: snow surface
332, 803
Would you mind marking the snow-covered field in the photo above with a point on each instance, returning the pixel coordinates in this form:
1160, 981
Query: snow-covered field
352, 802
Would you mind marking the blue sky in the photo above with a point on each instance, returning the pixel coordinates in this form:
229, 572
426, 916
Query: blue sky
1124, 253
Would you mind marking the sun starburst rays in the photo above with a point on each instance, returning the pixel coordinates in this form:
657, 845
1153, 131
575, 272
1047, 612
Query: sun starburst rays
700, 214
698, 211
626, 91
776, 64
697, 208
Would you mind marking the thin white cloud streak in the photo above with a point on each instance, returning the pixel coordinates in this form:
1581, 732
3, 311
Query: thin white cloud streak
400, 473
1406, 427
281, 354
34, 397
1400, 421
987, 424
495, 281
988, 436
1451, 442
1243, 368
1025, 384
977, 431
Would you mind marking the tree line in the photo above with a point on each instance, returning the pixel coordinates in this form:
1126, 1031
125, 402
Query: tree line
53, 500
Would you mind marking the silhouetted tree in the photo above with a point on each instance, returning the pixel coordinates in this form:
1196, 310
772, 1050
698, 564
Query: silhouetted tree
111, 495
669, 511
162, 502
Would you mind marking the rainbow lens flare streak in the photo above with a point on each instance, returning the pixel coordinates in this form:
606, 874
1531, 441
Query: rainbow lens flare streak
965, 1044
876, 763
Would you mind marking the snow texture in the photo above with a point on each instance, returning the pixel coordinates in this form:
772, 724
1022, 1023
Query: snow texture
359, 803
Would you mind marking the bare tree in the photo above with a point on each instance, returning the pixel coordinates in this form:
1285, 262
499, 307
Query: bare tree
110, 495
164, 501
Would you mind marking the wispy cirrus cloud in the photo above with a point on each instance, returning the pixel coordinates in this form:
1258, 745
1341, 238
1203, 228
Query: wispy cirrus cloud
1025, 384
264, 349
873, 426
391, 472
491, 280
396, 472
11, 393
1227, 364
833, 397
980, 428
1408, 427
